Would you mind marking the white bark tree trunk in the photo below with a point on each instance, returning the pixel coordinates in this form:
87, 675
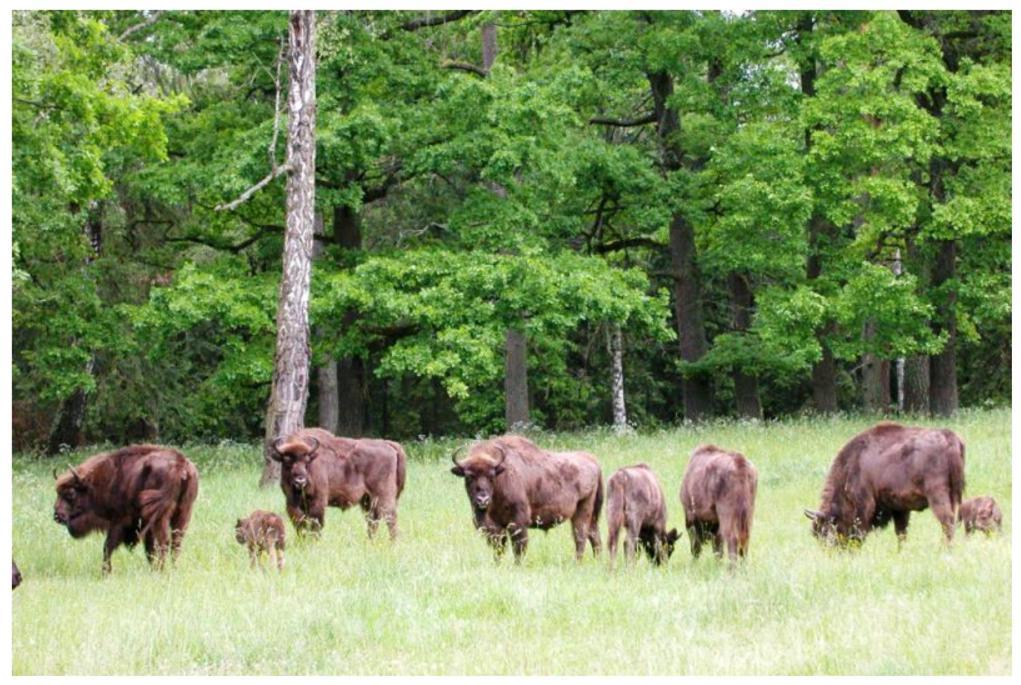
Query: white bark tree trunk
289, 393
615, 344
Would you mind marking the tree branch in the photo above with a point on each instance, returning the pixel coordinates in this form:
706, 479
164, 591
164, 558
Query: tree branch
141, 25
465, 66
271, 150
649, 118
629, 242
429, 20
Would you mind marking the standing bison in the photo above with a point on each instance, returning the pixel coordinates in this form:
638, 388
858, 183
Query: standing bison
718, 496
885, 473
513, 485
635, 502
981, 513
319, 469
140, 492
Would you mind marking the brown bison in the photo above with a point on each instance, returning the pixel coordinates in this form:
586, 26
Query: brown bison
513, 485
718, 496
140, 492
319, 469
15, 575
885, 473
635, 501
980, 513
263, 533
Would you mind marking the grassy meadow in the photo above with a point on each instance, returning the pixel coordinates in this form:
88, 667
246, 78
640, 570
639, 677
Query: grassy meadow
436, 603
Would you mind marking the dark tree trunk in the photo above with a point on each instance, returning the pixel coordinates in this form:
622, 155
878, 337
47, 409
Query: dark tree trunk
943, 366
746, 385
696, 389
67, 428
916, 384
875, 376
516, 380
289, 392
351, 377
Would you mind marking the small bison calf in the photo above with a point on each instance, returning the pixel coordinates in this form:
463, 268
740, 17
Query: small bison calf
636, 502
262, 532
980, 513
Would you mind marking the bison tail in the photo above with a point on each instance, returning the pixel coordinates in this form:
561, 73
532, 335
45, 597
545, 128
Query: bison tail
957, 477
597, 506
402, 466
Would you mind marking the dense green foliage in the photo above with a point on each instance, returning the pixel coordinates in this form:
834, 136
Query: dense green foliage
435, 603
460, 201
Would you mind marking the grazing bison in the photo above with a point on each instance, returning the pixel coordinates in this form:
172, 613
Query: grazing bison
140, 492
718, 496
319, 469
635, 501
15, 575
513, 486
885, 473
263, 533
980, 513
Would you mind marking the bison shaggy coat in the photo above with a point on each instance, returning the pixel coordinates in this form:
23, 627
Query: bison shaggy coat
885, 473
140, 492
513, 485
718, 496
263, 533
980, 513
635, 502
319, 469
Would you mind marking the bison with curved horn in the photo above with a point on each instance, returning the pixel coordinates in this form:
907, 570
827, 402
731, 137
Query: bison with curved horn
513, 485
882, 475
319, 469
140, 492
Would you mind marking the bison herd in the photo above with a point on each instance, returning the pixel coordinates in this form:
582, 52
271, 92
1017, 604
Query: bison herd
146, 493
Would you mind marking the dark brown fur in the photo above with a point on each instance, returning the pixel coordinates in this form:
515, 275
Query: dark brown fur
15, 575
635, 502
513, 485
980, 513
718, 496
319, 469
263, 533
140, 492
883, 474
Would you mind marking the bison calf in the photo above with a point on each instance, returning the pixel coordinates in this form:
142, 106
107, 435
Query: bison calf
141, 492
635, 502
263, 533
980, 513
718, 496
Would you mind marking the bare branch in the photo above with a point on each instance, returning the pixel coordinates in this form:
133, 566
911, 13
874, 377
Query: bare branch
149, 21
429, 20
243, 197
629, 242
274, 170
465, 66
649, 118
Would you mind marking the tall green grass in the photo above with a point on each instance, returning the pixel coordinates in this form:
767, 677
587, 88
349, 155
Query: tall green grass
436, 603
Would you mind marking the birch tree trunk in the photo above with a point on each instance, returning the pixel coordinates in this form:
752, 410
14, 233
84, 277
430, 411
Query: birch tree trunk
615, 343
289, 393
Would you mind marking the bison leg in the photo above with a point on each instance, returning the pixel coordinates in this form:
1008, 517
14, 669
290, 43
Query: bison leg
157, 543
114, 537
178, 526
900, 526
944, 512
611, 540
279, 556
695, 539
519, 539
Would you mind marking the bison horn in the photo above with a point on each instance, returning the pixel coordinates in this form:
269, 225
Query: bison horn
315, 447
813, 515
75, 473
276, 444
503, 455
453, 455
55, 476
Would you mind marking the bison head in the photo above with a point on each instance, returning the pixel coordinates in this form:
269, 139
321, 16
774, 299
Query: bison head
479, 473
295, 457
239, 531
74, 508
828, 527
